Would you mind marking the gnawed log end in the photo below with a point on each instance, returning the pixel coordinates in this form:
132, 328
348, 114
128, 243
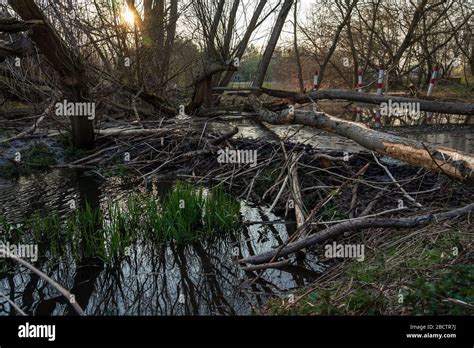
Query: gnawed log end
448, 161
456, 164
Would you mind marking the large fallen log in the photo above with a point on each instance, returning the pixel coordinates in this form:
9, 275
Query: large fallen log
456, 164
357, 224
425, 105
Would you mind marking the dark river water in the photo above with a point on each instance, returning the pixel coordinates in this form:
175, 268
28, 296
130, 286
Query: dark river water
199, 278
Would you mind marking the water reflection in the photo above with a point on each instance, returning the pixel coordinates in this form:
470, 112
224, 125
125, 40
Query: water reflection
200, 278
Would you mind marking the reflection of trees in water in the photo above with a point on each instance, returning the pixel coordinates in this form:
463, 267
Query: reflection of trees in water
151, 279
153, 285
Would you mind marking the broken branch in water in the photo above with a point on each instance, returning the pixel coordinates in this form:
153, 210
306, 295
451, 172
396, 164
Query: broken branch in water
333, 231
274, 265
13, 304
70, 297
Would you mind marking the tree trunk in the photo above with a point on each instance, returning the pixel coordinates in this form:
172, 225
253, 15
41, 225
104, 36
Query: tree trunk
355, 66
68, 65
211, 45
203, 86
245, 40
159, 24
336, 40
230, 27
267, 55
170, 37
297, 52
205, 82
471, 61
417, 16
11, 25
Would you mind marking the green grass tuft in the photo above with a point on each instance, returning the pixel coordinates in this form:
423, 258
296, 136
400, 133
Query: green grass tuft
185, 215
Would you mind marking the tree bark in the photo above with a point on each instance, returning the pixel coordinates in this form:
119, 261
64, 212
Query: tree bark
211, 45
170, 38
159, 24
11, 25
267, 55
203, 86
205, 81
471, 61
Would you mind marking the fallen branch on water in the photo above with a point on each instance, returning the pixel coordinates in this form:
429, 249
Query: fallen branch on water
13, 304
62, 291
274, 265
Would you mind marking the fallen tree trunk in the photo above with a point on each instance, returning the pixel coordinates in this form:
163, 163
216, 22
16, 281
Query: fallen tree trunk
425, 105
5, 252
456, 164
358, 224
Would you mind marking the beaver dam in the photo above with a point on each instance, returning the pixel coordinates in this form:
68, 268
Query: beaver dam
161, 221
190, 168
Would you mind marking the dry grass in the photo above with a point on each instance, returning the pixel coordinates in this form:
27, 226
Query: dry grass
424, 271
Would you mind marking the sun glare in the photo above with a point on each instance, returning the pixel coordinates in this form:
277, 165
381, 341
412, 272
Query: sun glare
128, 16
